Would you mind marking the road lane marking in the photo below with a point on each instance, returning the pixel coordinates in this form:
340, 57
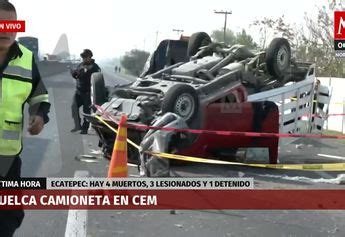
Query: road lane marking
331, 156
77, 219
134, 175
132, 165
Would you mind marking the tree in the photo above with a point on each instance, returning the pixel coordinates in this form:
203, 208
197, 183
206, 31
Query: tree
270, 28
265, 27
245, 39
218, 36
134, 61
311, 42
231, 38
318, 41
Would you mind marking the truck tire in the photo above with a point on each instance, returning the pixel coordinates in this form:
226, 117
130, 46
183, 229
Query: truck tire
278, 57
196, 41
98, 90
182, 100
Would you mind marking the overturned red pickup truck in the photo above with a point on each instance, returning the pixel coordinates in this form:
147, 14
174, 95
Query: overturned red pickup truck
210, 87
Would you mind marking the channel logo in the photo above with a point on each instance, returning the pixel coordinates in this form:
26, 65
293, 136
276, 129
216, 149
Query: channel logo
339, 25
339, 34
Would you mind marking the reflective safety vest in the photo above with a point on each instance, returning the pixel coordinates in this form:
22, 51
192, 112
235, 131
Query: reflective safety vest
15, 89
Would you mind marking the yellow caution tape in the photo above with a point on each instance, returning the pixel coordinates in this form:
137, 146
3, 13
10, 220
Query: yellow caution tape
115, 131
293, 98
315, 101
307, 167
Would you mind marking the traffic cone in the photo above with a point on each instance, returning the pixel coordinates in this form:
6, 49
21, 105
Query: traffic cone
118, 164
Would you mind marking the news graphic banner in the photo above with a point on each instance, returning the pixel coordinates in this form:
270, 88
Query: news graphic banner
339, 34
127, 183
159, 194
12, 26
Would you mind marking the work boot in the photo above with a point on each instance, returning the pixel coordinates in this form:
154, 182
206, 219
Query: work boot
75, 129
83, 131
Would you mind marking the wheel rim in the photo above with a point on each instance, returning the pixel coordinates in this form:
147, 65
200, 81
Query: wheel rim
282, 58
184, 106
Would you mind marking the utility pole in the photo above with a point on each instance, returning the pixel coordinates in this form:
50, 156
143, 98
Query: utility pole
225, 13
178, 31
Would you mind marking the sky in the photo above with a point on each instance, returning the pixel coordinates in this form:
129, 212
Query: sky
112, 27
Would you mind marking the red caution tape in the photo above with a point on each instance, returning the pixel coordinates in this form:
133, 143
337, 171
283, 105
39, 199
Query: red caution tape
329, 115
222, 133
319, 116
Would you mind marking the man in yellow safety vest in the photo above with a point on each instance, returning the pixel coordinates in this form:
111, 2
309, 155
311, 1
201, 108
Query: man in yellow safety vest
20, 82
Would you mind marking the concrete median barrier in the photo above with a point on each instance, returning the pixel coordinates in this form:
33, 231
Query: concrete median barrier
49, 68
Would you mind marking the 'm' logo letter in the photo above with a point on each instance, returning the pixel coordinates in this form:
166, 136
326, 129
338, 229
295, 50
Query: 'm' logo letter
339, 25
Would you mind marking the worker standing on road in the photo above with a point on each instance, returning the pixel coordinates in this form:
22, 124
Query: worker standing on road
20, 82
82, 96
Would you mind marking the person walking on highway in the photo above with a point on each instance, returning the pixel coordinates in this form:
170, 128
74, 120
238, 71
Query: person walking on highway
82, 96
20, 82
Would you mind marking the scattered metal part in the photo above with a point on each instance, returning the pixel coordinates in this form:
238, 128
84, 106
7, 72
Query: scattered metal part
88, 158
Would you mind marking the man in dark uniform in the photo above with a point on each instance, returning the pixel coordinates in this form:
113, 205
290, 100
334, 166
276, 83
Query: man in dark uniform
20, 83
82, 96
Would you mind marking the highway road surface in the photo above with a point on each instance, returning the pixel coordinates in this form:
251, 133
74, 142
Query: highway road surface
52, 154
